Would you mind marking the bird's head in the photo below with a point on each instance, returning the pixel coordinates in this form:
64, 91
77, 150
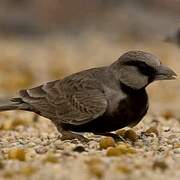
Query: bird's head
136, 69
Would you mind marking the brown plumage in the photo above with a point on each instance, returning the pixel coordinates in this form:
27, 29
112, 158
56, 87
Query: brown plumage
97, 100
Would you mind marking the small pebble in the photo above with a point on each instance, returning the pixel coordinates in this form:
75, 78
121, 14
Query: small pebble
152, 130
7, 125
28, 171
119, 150
131, 135
58, 144
51, 158
79, 149
168, 114
31, 144
8, 174
45, 143
96, 167
17, 153
123, 169
1, 165
37, 141
112, 151
106, 142
160, 165
177, 145
126, 149
30, 154
41, 150
93, 145
19, 121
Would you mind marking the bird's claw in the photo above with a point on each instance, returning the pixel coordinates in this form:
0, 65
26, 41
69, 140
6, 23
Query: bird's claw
71, 136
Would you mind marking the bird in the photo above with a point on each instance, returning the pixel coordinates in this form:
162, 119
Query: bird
98, 100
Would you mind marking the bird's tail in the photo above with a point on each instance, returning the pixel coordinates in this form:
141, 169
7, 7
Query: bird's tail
12, 104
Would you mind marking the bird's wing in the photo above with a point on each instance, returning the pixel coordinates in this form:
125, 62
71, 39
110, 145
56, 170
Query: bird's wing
72, 101
79, 101
38, 99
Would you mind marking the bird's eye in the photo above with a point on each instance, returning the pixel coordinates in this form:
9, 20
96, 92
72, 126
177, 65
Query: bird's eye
145, 69
142, 65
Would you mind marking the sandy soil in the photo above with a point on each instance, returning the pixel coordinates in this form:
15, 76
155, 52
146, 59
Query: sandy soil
32, 150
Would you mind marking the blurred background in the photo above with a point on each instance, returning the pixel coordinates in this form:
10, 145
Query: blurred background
43, 40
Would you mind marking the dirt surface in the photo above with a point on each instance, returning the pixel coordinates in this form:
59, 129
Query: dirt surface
32, 150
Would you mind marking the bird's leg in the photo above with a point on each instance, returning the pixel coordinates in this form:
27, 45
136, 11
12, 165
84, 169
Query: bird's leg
68, 135
114, 136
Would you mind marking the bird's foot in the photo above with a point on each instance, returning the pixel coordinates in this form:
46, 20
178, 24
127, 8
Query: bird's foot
67, 135
114, 136
120, 138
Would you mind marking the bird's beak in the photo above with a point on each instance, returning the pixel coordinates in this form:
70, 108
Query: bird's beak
164, 73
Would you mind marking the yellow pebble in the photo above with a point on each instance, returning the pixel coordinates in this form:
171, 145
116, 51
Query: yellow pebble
160, 165
51, 158
131, 135
177, 145
126, 149
123, 146
106, 142
121, 149
168, 114
1, 165
8, 174
152, 130
113, 151
6, 125
17, 153
19, 121
28, 171
95, 167
123, 169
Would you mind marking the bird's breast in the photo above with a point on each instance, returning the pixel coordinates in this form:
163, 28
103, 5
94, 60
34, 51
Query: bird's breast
127, 110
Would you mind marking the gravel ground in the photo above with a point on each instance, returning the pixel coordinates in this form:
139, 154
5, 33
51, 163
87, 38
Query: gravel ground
32, 150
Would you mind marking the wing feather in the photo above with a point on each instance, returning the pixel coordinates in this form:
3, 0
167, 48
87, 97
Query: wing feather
76, 99
80, 101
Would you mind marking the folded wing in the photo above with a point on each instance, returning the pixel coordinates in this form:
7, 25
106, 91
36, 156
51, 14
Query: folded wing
72, 100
